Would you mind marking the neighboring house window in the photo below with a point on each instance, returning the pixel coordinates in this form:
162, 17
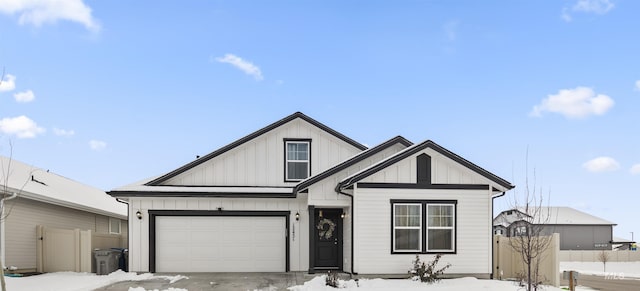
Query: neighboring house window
297, 160
521, 230
114, 225
498, 232
407, 227
423, 226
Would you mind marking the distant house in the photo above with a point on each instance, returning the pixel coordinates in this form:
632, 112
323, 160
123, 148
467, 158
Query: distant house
578, 230
50, 200
297, 195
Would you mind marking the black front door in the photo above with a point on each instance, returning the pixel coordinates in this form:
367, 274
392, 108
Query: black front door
328, 239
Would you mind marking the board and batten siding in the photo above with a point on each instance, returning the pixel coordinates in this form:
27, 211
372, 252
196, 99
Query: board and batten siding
260, 161
443, 171
372, 208
323, 193
139, 228
26, 214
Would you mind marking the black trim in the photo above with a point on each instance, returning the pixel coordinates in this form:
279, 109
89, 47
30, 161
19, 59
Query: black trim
300, 140
424, 229
417, 148
312, 242
251, 136
199, 194
423, 186
357, 158
424, 169
154, 213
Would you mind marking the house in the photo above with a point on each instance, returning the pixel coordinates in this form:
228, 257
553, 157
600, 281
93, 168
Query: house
578, 230
297, 195
35, 197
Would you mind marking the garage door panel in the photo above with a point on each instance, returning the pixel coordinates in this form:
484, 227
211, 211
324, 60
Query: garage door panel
220, 244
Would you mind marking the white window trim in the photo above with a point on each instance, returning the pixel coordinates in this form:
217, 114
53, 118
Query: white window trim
419, 228
119, 225
452, 227
287, 161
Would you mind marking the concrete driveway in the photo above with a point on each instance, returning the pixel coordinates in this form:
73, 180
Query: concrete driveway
220, 281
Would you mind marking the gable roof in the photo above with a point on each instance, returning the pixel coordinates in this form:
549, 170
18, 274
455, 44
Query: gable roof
561, 215
349, 181
353, 160
252, 136
41, 185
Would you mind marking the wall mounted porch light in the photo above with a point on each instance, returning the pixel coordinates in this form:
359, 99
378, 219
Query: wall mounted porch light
343, 214
139, 214
297, 216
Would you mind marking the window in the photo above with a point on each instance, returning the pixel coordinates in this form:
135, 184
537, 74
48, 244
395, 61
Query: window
521, 230
440, 227
423, 226
407, 227
297, 164
114, 225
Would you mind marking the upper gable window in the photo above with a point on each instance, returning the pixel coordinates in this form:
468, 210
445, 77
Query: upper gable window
297, 160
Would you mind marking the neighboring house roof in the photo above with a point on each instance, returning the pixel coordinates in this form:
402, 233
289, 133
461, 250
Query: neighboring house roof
252, 136
353, 160
349, 181
619, 240
555, 215
41, 185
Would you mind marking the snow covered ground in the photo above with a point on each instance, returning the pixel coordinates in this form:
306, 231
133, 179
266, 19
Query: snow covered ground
618, 270
70, 281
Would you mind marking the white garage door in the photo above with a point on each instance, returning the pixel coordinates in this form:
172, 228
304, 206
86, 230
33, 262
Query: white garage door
220, 244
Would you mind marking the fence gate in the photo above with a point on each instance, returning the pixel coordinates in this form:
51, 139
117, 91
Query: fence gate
61, 250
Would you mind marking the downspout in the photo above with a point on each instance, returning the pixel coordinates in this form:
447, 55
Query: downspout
339, 190
493, 197
2, 244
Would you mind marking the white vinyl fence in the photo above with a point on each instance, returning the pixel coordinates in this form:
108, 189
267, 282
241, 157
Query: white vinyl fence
592, 256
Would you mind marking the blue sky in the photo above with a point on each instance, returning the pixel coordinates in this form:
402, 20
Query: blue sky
110, 92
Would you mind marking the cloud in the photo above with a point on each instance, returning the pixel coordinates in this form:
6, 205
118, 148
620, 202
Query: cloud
587, 6
593, 6
635, 169
8, 83
601, 164
38, 12
637, 85
63, 132
21, 126
97, 145
24, 97
574, 103
245, 66
450, 30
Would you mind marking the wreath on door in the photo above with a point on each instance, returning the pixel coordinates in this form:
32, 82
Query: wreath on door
326, 227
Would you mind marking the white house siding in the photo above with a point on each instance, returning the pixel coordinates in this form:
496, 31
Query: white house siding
139, 228
323, 193
443, 171
260, 162
373, 236
26, 214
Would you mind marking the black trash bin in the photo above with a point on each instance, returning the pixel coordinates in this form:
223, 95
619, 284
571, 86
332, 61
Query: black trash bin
124, 259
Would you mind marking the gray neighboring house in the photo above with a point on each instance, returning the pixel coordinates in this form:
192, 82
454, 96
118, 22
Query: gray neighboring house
578, 230
50, 200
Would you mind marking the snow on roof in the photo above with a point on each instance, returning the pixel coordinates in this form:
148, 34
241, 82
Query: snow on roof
37, 184
561, 215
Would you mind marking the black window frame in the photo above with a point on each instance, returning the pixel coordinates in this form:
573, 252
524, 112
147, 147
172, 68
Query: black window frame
424, 226
286, 160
